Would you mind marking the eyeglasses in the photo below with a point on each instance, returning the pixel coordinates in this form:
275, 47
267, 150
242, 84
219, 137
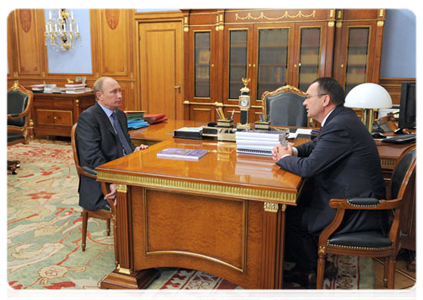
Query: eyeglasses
309, 96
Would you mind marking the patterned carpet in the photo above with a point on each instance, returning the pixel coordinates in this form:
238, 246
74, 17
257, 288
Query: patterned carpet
44, 233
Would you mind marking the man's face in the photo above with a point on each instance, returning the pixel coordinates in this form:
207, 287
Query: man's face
111, 96
314, 102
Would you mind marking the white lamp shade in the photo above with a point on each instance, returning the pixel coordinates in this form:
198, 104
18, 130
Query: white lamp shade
368, 95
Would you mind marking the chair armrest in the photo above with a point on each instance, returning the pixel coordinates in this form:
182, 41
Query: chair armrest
365, 204
13, 116
89, 171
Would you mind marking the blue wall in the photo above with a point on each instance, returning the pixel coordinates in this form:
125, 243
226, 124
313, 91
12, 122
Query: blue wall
79, 59
399, 44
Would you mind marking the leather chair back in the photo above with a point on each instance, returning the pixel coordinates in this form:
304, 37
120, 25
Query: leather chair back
284, 107
400, 172
16, 104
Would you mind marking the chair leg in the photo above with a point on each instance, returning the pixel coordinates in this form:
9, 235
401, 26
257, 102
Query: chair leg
84, 228
108, 227
391, 272
320, 271
385, 272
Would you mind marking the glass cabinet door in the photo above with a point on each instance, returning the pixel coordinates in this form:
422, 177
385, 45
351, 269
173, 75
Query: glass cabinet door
202, 42
238, 40
272, 59
310, 49
357, 57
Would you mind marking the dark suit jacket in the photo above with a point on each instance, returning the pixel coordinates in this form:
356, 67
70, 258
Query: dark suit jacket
342, 162
97, 143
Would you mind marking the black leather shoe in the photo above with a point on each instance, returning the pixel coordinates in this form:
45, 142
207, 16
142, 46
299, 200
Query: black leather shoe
309, 279
105, 208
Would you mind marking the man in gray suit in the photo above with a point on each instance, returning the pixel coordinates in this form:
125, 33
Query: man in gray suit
102, 136
341, 162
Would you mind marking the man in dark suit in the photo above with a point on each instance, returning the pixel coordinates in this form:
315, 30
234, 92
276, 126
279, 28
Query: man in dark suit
102, 136
341, 162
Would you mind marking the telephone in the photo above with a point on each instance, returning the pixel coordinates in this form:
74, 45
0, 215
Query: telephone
385, 124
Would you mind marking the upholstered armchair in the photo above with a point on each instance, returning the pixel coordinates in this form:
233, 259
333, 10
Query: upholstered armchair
371, 243
284, 107
19, 106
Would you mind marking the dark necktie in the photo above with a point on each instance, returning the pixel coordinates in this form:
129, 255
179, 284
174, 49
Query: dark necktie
127, 149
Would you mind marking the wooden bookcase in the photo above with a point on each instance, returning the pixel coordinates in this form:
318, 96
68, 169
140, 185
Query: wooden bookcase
274, 47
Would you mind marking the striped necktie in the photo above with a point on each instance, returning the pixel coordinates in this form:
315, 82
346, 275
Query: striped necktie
126, 148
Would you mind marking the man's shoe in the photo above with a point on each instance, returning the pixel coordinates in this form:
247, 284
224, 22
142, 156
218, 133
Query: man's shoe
105, 208
308, 279
330, 270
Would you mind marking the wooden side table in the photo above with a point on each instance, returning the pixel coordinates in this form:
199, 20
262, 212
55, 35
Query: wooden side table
54, 114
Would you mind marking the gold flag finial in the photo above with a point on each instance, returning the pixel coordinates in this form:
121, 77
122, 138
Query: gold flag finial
246, 81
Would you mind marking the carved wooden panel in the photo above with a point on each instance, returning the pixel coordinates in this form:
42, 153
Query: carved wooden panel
114, 37
28, 45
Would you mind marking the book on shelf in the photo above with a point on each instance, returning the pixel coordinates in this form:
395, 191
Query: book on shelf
195, 133
155, 118
182, 154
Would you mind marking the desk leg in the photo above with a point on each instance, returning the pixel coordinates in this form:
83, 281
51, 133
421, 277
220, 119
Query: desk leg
124, 276
273, 247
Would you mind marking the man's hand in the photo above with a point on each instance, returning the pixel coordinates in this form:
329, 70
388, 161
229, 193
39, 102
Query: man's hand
112, 194
141, 147
280, 151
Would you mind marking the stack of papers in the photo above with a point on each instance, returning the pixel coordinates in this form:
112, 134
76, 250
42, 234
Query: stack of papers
260, 143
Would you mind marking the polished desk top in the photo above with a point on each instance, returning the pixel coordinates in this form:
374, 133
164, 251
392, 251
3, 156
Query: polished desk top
257, 177
221, 166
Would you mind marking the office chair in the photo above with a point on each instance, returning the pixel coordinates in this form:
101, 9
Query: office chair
370, 243
284, 107
109, 216
19, 106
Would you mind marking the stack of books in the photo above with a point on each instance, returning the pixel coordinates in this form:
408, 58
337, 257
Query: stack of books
37, 88
75, 88
154, 118
259, 143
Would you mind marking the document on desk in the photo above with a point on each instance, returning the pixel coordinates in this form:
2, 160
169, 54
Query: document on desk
299, 132
182, 154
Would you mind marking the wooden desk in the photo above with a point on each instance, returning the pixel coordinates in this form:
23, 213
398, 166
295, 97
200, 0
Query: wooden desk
224, 214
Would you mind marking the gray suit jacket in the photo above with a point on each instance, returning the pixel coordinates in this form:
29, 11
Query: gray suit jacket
342, 162
97, 143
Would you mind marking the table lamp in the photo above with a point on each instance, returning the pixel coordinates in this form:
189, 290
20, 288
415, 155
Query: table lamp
368, 96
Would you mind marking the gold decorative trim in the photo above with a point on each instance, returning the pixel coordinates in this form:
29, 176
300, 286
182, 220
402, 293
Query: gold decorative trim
387, 163
380, 23
123, 270
15, 86
339, 24
322, 249
209, 188
197, 255
122, 188
331, 23
286, 15
271, 207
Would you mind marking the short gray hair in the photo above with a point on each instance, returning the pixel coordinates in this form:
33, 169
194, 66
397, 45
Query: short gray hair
98, 85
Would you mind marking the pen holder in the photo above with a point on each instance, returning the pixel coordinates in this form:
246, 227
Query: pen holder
225, 123
262, 125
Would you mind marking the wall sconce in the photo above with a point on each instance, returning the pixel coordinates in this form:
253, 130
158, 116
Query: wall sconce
368, 96
61, 30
